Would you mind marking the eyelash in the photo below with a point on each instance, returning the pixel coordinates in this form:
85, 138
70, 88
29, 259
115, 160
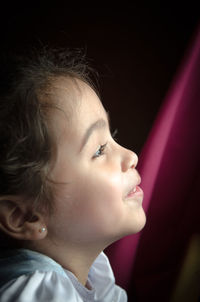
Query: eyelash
100, 150
114, 134
102, 147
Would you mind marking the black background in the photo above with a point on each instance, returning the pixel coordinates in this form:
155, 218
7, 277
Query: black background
135, 47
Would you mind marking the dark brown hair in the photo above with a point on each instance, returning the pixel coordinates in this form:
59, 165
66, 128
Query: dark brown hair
25, 139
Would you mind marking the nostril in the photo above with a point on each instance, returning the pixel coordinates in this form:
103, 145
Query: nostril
129, 160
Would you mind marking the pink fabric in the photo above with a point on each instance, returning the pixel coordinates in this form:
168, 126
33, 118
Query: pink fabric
170, 168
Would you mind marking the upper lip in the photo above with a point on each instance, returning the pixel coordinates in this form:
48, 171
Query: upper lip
132, 186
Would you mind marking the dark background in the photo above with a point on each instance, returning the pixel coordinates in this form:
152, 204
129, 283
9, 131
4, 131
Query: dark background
135, 47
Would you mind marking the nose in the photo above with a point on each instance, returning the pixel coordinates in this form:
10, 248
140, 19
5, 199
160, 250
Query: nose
129, 160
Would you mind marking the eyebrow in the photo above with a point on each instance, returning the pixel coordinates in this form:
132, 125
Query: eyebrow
99, 124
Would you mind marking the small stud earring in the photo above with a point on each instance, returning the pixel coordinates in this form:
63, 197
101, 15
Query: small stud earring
42, 230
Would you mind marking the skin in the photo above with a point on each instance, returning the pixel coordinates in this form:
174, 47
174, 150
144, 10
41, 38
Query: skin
92, 206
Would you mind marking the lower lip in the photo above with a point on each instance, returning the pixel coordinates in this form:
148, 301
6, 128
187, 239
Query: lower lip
138, 192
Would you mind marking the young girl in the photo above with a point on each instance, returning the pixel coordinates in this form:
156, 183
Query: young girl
67, 188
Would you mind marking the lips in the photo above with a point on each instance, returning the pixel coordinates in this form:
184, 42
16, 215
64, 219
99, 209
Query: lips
134, 192
135, 189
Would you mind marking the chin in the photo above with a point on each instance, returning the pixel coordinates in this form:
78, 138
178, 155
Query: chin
137, 224
132, 229
141, 223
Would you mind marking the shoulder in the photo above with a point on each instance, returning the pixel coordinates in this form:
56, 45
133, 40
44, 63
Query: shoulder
32, 275
39, 286
102, 279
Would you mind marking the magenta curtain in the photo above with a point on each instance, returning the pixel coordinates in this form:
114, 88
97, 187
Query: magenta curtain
147, 264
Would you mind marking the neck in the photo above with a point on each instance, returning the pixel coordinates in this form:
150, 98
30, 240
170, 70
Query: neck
76, 259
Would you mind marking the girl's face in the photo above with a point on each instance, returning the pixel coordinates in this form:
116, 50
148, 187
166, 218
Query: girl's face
94, 200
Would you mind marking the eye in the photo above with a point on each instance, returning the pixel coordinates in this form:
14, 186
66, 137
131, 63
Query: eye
100, 151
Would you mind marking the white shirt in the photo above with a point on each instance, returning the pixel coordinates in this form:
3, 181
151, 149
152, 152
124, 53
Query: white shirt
27, 276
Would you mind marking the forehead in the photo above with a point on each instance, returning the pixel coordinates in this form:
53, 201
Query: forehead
90, 107
78, 105
76, 97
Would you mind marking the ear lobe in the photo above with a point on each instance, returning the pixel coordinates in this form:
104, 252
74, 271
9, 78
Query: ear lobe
17, 222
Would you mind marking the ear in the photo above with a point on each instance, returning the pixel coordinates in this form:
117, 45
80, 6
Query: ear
17, 221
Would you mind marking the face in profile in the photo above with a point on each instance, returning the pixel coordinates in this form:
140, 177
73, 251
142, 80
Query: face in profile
97, 198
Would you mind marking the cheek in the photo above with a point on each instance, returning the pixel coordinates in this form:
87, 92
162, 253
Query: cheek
98, 203
106, 188
105, 184
102, 191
